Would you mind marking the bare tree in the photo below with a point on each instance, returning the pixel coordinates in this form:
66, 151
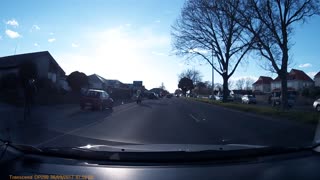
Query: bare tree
208, 29
162, 86
192, 74
248, 83
240, 83
271, 22
230, 85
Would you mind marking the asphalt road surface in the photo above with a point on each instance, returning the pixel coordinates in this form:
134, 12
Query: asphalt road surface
164, 121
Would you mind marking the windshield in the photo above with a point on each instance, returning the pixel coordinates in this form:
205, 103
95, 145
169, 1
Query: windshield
93, 94
168, 72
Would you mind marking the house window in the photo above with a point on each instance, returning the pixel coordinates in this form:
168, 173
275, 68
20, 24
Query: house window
52, 77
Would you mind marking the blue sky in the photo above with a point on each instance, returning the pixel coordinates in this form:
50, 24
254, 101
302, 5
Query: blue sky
126, 40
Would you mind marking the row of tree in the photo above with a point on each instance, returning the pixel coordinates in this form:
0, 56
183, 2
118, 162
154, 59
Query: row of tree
223, 32
191, 79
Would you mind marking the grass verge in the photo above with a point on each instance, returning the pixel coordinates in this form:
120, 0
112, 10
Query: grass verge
300, 116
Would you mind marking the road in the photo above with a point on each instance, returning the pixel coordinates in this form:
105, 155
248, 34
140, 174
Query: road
164, 121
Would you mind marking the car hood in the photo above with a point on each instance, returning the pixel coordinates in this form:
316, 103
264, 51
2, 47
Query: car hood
169, 147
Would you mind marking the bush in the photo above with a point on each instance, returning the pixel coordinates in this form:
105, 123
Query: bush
311, 92
315, 92
305, 92
77, 80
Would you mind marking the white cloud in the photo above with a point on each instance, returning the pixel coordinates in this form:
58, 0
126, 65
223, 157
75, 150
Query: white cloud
305, 65
235, 78
51, 40
51, 33
35, 28
128, 24
36, 44
13, 22
12, 34
158, 53
74, 45
311, 74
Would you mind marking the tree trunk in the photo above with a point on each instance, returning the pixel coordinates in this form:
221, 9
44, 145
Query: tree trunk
284, 68
225, 87
284, 90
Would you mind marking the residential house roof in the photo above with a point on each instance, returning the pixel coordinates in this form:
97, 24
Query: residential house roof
14, 61
263, 80
113, 82
317, 75
296, 74
96, 78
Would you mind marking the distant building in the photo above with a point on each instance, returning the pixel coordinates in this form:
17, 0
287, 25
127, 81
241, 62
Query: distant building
110, 83
47, 67
317, 79
137, 83
297, 80
97, 82
159, 91
262, 85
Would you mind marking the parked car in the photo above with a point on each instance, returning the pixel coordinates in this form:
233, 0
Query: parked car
96, 99
247, 99
169, 95
218, 97
230, 98
153, 95
276, 99
316, 105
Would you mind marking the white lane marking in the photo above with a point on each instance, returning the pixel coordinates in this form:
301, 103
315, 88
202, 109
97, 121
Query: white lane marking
82, 127
197, 120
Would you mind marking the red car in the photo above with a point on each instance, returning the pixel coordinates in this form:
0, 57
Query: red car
96, 99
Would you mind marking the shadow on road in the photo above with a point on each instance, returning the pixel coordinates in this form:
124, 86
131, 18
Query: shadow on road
158, 104
145, 105
88, 113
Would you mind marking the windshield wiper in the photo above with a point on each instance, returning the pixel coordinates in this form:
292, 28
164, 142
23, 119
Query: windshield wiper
21, 147
166, 157
159, 156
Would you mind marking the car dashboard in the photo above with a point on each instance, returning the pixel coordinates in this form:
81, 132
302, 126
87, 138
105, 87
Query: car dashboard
297, 165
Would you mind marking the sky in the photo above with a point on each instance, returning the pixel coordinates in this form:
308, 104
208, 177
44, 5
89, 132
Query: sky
126, 40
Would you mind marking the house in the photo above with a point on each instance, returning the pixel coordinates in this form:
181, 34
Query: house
262, 85
48, 70
297, 80
136, 85
64, 84
97, 82
111, 83
317, 79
